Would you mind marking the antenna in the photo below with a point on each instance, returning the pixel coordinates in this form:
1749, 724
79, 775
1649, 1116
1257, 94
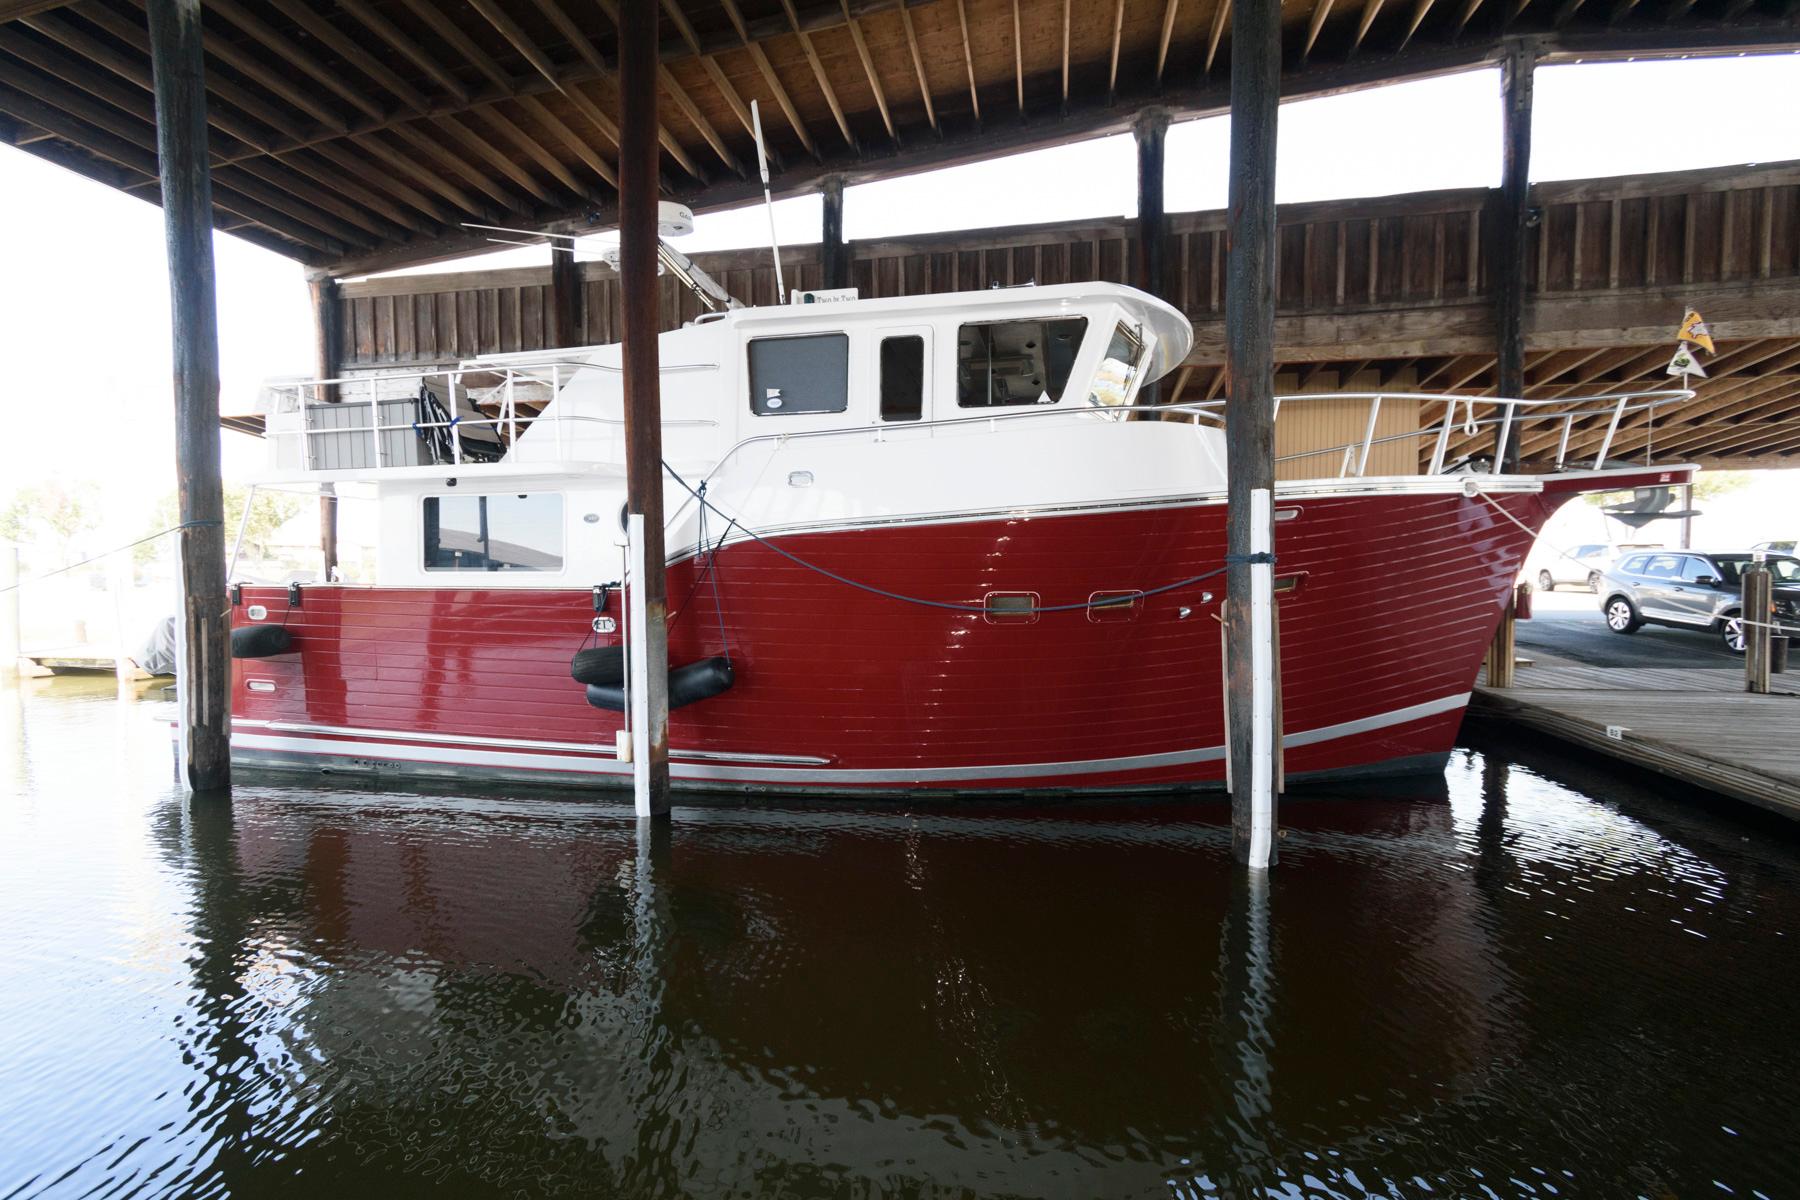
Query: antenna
762, 162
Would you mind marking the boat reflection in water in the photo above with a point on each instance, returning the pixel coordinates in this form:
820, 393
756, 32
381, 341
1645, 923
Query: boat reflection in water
512, 993
1492, 985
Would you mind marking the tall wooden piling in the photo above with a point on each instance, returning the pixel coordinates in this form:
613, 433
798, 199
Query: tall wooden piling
648, 619
834, 253
1758, 618
1512, 220
176, 63
328, 356
1250, 428
567, 303
1150, 131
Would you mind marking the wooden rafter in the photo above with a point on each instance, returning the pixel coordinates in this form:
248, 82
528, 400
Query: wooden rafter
1065, 53
1321, 10
578, 145
1112, 62
962, 20
404, 44
1371, 9
432, 13
664, 76
294, 58
1418, 17
819, 75
1168, 31
720, 81
868, 65
1221, 15
1018, 56
1463, 17
348, 48
918, 61
767, 69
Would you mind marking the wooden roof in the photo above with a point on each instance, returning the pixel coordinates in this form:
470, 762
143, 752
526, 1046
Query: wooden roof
359, 134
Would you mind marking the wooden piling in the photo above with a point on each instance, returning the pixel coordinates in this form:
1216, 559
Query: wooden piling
1759, 618
328, 357
1512, 217
834, 253
176, 62
638, 212
1150, 131
567, 305
1503, 650
1250, 426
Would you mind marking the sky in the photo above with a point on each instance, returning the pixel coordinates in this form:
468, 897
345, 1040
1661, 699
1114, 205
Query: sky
84, 309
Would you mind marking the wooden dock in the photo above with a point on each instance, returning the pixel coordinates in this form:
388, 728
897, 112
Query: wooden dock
1697, 725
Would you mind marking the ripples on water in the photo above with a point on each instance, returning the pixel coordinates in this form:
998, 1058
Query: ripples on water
1527, 979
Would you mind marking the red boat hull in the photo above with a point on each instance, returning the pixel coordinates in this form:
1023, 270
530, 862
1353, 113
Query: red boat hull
1391, 600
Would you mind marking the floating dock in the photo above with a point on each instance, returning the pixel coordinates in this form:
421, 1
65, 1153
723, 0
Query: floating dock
1695, 724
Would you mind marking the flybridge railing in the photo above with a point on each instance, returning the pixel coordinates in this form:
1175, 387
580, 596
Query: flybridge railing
476, 413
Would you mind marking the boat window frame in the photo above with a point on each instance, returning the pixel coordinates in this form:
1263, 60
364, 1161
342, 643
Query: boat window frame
761, 410
1086, 323
563, 540
1137, 366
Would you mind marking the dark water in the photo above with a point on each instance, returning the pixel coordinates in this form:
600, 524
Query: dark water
1530, 979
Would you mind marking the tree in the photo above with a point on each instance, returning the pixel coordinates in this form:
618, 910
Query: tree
270, 512
1708, 485
51, 512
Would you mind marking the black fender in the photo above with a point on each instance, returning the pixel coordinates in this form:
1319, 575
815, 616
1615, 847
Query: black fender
260, 641
689, 684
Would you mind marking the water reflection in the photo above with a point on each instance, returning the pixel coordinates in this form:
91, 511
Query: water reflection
1491, 984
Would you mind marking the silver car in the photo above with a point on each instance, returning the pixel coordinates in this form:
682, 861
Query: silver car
1693, 590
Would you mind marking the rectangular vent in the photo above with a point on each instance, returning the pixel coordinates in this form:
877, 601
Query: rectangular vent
1010, 608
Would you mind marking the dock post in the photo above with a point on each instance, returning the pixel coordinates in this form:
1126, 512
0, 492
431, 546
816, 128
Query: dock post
1758, 620
649, 651
1512, 219
568, 304
1250, 429
178, 70
328, 357
1150, 131
1503, 651
834, 253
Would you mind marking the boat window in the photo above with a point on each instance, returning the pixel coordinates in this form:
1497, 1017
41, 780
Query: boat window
1016, 362
807, 374
902, 378
1118, 369
494, 533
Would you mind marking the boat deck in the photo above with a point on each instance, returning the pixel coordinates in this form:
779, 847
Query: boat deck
1697, 725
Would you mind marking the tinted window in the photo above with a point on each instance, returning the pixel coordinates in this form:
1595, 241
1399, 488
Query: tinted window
902, 378
808, 374
494, 533
1694, 569
1015, 362
1664, 566
1635, 564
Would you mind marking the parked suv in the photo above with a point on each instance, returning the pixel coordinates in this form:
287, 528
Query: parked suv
1692, 590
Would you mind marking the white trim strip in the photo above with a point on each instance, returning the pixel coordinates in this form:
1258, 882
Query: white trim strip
459, 739
599, 766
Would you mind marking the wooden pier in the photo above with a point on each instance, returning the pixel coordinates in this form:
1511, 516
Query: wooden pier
1697, 725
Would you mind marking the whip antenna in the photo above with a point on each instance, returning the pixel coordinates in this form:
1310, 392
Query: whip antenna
762, 162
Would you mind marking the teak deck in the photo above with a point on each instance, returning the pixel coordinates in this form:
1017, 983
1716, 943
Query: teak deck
1697, 725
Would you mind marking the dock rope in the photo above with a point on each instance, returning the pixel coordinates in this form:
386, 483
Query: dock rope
13, 587
924, 602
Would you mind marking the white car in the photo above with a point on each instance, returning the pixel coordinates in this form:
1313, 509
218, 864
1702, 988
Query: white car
1583, 566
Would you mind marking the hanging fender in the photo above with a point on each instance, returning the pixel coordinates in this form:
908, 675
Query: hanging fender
688, 684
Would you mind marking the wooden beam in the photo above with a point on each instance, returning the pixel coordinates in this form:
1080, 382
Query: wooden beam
1321, 10
1252, 738
1462, 18
409, 49
1150, 133
818, 69
1512, 216
567, 301
434, 16
205, 694
18, 10
578, 145
1371, 9
1065, 53
670, 84
533, 149
912, 45
834, 255
720, 81
767, 69
1168, 31
1018, 57
962, 20
352, 52
1419, 11
1112, 62
1221, 15
279, 81
647, 584
868, 65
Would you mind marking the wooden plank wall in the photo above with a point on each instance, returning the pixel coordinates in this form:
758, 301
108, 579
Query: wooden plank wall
1724, 226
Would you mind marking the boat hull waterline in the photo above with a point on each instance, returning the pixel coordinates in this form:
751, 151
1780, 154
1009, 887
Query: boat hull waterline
1388, 601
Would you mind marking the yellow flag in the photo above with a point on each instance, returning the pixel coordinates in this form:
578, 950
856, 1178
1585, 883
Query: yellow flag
1694, 330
